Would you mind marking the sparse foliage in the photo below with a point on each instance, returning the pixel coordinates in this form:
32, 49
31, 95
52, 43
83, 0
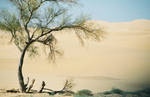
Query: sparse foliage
36, 21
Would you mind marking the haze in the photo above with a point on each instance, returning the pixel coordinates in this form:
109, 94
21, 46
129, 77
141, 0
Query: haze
123, 54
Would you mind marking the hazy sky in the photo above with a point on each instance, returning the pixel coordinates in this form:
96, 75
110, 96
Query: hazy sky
109, 10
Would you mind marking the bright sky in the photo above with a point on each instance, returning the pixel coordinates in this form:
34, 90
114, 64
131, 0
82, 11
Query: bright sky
109, 10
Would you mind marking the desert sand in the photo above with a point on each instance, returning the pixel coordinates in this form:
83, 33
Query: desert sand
120, 60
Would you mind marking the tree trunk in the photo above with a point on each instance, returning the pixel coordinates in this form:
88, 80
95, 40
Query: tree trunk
20, 74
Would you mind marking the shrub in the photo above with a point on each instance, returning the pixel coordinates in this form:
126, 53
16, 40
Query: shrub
114, 91
83, 93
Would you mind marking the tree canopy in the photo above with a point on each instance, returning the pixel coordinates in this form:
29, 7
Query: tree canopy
37, 20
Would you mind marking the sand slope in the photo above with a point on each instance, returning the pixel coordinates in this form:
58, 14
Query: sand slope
124, 53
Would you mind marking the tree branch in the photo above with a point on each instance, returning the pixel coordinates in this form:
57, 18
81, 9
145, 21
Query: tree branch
42, 87
61, 28
30, 17
30, 87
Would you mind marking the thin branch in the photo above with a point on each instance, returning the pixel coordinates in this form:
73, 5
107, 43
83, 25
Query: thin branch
30, 87
42, 87
34, 33
30, 17
27, 83
48, 89
61, 28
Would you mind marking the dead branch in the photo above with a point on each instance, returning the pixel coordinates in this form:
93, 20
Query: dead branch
48, 89
43, 85
30, 87
13, 91
27, 83
66, 89
68, 85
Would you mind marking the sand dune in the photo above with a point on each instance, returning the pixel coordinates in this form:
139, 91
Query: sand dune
124, 53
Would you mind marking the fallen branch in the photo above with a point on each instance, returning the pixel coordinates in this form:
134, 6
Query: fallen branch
48, 89
13, 91
66, 89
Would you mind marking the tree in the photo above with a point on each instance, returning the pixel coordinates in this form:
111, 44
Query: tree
36, 21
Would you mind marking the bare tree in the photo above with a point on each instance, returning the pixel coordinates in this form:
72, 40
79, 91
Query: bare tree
36, 21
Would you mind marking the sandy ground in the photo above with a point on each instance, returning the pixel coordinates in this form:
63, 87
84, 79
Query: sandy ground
46, 95
28, 95
22, 95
